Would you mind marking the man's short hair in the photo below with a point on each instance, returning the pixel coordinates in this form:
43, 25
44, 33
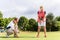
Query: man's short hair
15, 18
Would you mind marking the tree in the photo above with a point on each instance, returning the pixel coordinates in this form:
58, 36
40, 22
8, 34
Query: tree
58, 22
23, 23
49, 19
58, 18
7, 21
1, 15
1, 19
54, 27
32, 25
1, 22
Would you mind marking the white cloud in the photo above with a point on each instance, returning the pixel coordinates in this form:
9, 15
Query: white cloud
19, 8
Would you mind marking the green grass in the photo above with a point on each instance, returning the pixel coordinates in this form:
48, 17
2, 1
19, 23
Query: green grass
32, 36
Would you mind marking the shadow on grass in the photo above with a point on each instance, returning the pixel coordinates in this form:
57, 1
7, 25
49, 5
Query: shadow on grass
18, 37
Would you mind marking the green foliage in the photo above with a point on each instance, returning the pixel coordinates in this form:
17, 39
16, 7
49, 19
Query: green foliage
58, 18
50, 16
58, 25
4, 22
29, 25
1, 22
1, 15
32, 25
53, 24
49, 21
23, 23
7, 21
54, 27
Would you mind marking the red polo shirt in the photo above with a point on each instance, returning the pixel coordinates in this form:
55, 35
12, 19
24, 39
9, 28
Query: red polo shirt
41, 14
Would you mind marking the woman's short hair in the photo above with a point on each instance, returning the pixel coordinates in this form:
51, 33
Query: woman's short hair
41, 6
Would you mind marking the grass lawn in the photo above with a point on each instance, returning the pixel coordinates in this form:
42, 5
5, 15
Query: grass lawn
32, 36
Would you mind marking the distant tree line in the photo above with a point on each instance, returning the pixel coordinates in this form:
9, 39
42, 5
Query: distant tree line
25, 24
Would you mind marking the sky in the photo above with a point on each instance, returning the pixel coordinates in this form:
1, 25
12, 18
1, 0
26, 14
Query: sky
28, 8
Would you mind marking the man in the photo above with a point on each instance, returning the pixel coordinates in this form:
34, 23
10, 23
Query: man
12, 28
41, 20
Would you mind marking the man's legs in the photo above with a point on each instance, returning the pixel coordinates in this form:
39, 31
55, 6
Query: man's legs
39, 27
7, 34
38, 31
15, 33
44, 29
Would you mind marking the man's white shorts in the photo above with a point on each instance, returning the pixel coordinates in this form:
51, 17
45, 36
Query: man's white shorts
42, 23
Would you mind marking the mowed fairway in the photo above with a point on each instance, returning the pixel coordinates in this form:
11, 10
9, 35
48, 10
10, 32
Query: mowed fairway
32, 36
